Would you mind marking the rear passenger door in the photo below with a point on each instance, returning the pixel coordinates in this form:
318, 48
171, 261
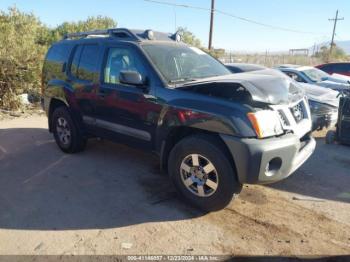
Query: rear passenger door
83, 75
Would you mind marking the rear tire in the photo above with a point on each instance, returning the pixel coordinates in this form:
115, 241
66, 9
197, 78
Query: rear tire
202, 173
66, 133
330, 137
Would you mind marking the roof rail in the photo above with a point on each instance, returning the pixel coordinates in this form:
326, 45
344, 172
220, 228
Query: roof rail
114, 32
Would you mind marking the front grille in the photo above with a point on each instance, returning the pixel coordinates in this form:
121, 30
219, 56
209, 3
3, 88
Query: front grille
298, 112
283, 118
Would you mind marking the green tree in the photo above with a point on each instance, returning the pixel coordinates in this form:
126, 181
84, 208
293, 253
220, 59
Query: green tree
24, 43
189, 38
20, 56
338, 54
91, 23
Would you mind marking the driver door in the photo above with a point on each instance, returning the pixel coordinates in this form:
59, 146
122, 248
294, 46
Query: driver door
124, 112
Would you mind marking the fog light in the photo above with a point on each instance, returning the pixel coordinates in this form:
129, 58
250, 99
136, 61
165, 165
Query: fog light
273, 166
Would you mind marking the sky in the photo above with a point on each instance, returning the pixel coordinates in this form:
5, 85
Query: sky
229, 33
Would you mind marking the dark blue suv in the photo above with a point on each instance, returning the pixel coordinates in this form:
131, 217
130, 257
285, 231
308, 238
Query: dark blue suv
213, 131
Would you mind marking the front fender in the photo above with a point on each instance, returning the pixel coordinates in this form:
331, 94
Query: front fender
216, 118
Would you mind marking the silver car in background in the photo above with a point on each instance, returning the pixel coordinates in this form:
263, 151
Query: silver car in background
315, 76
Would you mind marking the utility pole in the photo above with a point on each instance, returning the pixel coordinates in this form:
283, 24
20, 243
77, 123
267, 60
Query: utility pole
211, 24
336, 19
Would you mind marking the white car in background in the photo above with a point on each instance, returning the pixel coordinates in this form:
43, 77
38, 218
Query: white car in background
315, 76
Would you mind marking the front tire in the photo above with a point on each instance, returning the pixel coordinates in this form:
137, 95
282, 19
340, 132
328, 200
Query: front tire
66, 133
202, 173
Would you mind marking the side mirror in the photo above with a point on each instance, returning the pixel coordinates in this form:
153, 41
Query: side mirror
131, 78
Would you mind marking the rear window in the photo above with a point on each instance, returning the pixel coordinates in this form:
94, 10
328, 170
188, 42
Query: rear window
85, 62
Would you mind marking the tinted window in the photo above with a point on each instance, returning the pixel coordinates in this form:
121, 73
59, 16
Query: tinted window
56, 57
85, 62
341, 68
121, 59
326, 68
59, 53
75, 61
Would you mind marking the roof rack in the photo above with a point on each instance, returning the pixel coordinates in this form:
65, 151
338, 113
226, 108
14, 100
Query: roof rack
127, 34
115, 32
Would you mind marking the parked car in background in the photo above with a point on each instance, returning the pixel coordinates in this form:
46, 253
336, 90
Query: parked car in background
242, 67
323, 101
342, 132
212, 131
315, 76
336, 68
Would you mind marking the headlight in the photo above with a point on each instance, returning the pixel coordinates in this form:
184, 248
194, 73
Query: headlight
266, 123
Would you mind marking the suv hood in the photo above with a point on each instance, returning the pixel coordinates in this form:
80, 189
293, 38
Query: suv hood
265, 88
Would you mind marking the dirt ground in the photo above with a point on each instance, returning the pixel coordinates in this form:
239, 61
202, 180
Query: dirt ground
112, 199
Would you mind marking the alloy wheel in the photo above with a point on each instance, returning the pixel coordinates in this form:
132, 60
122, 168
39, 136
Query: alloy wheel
199, 175
63, 131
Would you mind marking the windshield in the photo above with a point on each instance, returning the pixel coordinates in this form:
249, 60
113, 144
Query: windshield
315, 75
180, 63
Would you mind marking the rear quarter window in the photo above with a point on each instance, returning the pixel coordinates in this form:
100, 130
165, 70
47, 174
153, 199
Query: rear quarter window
56, 58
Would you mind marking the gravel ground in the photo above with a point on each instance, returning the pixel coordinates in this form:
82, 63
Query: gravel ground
111, 199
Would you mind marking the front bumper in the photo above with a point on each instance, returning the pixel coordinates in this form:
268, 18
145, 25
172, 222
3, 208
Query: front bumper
263, 161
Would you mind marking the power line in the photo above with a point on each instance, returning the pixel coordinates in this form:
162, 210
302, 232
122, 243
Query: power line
234, 16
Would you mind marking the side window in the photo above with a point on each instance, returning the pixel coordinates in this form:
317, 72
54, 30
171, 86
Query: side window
295, 77
121, 59
342, 68
56, 57
59, 53
335, 68
85, 62
75, 61
347, 68
326, 68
